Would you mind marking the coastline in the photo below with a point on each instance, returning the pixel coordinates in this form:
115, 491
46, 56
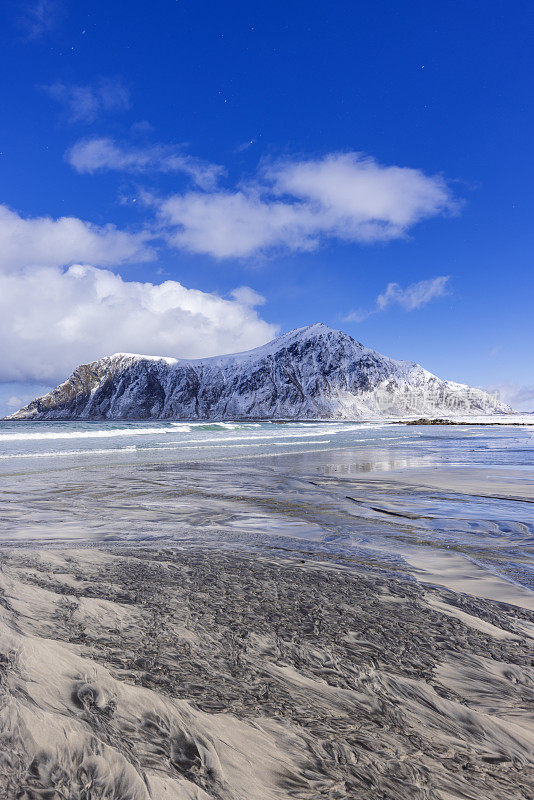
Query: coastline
514, 419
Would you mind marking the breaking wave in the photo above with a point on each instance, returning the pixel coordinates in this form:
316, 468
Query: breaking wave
108, 433
178, 427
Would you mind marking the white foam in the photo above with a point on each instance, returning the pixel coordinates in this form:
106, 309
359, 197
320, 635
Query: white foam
314, 430
134, 449
230, 446
173, 427
60, 453
94, 434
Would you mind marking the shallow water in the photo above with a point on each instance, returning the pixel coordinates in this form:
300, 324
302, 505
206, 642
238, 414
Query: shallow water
205, 441
382, 493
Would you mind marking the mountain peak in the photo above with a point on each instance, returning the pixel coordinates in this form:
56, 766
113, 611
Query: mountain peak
313, 329
303, 334
309, 332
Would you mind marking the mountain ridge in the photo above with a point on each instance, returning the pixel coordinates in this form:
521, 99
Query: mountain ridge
314, 372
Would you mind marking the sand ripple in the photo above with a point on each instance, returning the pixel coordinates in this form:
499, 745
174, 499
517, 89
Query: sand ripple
145, 673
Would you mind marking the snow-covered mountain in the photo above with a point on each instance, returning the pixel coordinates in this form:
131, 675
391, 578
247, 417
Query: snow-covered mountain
309, 373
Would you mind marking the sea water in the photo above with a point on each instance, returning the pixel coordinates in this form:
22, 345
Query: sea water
47, 444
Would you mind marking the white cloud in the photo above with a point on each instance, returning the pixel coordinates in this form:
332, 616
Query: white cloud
39, 17
99, 154
16, 401
244, 146
520, 398
53, 319
415, 295
247, 296
55, 314
361, 192
412, 297
15, 395
357, 316
45, 241
87, 103
225, 224
298, 204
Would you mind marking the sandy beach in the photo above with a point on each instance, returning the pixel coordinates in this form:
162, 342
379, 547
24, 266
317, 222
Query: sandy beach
327, 624
151, 673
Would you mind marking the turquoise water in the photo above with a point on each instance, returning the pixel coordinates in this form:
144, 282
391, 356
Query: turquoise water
50, 443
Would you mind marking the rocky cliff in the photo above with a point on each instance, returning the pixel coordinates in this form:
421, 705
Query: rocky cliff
309, 373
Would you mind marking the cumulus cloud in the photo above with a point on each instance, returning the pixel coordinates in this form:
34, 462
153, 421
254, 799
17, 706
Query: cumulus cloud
296, 205
53, 319
99, 154
247, 296
226, 224
44, 241
360, 191
55, 313
412, 297
88, 102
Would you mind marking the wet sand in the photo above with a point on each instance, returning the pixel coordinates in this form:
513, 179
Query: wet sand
280, 628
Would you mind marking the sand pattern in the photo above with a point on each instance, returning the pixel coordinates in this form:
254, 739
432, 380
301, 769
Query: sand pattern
139, 673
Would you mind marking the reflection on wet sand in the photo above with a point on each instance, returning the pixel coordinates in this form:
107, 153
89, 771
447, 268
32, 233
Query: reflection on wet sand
327, 501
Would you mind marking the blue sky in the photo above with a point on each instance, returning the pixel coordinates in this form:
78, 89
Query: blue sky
190, 178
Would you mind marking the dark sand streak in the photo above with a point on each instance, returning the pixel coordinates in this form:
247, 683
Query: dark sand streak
138, 673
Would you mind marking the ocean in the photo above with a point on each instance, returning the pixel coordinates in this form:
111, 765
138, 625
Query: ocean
82, 442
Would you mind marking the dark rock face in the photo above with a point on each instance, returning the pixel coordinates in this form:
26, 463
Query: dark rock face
310, 373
